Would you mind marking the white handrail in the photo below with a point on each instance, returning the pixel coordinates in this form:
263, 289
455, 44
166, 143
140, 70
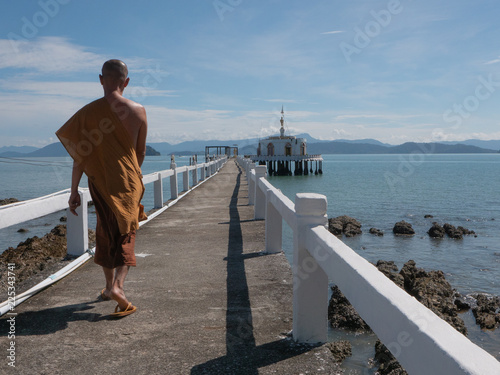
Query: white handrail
19, 212
77, 233
418, 338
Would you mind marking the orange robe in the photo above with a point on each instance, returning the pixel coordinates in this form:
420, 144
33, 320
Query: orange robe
101, 146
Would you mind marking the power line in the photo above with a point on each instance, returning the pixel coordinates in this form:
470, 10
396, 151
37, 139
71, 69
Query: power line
41, 163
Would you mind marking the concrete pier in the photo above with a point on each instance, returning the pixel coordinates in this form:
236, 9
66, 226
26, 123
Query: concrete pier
209, 301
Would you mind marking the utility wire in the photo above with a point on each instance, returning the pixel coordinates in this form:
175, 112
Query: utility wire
42, 163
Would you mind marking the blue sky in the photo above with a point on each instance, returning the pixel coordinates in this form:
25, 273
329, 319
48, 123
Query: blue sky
393, 70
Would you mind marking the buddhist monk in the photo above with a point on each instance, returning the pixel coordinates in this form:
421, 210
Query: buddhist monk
107, 141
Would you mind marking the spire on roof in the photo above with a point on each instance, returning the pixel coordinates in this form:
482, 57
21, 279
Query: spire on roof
282, 130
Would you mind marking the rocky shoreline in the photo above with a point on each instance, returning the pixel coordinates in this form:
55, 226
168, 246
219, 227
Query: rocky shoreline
350, 227
7, 201
429, 287
35, 259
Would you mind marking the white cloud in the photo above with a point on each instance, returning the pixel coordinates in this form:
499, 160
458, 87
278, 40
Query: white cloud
47, 55
495, 61
82, 90
58, 55
333, 32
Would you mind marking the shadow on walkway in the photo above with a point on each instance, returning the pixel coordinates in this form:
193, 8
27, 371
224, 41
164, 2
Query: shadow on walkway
47, 321
242, 354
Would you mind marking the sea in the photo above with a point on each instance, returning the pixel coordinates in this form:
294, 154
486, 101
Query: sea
377, 190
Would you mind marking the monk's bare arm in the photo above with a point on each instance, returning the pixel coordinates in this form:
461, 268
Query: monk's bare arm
140, 147
74, 199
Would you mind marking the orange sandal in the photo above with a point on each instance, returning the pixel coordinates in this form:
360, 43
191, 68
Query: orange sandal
119, 314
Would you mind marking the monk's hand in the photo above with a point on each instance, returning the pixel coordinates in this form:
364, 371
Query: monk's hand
74, 202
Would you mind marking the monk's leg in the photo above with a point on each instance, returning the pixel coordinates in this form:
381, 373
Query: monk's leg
109, 274
117, 292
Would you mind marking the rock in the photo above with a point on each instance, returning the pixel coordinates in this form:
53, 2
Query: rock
344, 224
4, 202
340, 350
335, 227
429, 288
453, 232
487, 311
466, 231
388, 365
404, 228
341, 314
34, 254
389, 269
428, 217
436, 231
376, 232
461, 303
433, 291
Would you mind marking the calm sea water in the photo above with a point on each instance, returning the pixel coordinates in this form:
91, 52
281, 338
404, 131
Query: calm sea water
377, 190
380, 190
24, 179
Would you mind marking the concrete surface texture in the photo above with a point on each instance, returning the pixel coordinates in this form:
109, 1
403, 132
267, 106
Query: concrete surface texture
209, 301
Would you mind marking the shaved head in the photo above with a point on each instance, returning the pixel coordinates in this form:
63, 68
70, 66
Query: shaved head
115, 69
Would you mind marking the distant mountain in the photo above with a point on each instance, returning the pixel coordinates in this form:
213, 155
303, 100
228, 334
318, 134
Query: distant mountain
314, 146
336, 147
367, 141
492, 145
438, 148
54, 149
150, 151
190, 147
248, 150
17, 150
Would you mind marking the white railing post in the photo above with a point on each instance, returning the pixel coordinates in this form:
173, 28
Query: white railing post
158, 192
77, 233
248, 169
185, 180
251, 185
274, 226
202, 172
174, 188
195, 174
260, 196
310, 282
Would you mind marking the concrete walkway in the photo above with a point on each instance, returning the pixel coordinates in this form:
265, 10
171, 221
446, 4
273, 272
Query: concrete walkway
208, 300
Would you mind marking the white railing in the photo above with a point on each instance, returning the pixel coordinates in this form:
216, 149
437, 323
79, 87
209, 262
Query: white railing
421, 341
77, 226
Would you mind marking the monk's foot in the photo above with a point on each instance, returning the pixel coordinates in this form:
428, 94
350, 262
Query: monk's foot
119, 296
106, 295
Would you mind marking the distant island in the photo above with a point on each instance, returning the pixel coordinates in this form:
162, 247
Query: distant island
314, 146
150, 151
52, 150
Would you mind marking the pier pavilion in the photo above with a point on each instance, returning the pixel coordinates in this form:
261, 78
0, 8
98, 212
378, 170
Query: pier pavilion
286, 154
